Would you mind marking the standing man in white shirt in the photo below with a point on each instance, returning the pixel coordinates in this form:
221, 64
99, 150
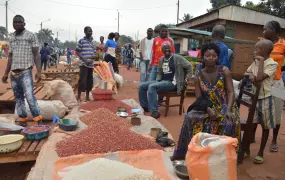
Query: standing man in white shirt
146, 54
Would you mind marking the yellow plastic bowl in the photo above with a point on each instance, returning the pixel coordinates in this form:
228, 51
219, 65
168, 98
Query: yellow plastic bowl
10, 143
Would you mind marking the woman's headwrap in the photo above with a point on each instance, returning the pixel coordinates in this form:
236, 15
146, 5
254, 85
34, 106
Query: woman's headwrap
166, 44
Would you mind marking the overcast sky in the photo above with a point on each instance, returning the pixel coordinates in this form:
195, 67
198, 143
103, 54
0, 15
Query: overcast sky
135, 15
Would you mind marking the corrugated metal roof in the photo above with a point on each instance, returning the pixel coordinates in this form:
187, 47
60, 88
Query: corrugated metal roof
199, 34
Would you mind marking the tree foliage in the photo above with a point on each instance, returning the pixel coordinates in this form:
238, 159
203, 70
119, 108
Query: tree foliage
3, 33
186, 17
273, 7
126, 39
45, 35
218, 3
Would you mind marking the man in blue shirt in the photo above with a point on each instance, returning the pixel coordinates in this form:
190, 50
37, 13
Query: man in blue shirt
218, 34
86, 51
44, 55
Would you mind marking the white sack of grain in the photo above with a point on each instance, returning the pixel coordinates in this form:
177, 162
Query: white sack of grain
62, 62
102, 168
61, 90
119, 80
236, 88
47, 109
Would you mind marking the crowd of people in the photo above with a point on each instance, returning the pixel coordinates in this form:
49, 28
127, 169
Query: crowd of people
161, 70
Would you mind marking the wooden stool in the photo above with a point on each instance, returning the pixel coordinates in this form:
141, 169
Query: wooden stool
169, 95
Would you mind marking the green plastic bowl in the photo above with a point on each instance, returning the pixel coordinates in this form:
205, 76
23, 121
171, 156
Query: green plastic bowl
68, 124
37, 135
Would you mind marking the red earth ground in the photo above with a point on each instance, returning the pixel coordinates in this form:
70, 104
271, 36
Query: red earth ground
272, 169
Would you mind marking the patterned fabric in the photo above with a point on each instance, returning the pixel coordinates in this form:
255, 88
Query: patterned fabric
87, 49
22, 85
278, 103
264, 114
269, 68
21, 48
198, 121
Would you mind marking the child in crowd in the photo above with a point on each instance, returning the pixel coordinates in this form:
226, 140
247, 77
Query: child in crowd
218, 34
261, 72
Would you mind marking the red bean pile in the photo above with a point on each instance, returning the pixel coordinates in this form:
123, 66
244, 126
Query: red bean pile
112, 105
102, 91
101, 115
103, 137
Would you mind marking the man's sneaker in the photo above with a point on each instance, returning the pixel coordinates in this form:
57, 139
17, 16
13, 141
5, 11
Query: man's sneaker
23, 123
145, 109
40, 122
155, 115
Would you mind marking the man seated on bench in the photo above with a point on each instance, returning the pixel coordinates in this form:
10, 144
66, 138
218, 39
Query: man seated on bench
170, 77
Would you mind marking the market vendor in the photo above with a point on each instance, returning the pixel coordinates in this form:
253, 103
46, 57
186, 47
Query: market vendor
23, 54
86, 51
170, 77
215, 111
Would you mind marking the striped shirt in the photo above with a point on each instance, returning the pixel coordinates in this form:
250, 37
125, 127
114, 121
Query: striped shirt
21, 48
87, 49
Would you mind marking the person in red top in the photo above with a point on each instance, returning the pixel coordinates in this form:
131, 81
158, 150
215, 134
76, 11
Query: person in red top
157, 50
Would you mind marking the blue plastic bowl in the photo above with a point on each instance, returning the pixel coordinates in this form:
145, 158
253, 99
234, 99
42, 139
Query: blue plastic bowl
68, 124
37, 135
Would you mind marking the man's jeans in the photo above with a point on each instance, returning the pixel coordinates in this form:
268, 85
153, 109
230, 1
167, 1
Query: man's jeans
153, 73
124, 59
137, 63
23, 87
130, 62
148, 93
144, 65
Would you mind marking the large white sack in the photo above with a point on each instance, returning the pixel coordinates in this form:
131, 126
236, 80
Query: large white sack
61, 90
236, 88
48, 109
119, 79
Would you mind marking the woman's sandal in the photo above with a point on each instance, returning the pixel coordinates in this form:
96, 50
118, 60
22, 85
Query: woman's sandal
274, 148
258, 160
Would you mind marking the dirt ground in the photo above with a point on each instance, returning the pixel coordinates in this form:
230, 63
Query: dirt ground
272, 169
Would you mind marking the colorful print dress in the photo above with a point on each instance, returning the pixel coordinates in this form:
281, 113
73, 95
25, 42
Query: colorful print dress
198, 121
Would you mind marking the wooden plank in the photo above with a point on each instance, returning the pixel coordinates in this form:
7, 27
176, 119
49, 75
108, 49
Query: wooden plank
40, 145
12, 159
7, 95
32, 147
24, 148
247, 104
250, 94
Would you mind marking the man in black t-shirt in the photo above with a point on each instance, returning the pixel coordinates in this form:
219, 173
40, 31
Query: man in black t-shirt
130, 56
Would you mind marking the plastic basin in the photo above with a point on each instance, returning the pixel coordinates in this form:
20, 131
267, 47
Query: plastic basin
38, 134
68, 124
10, 143
7, 128
181, 171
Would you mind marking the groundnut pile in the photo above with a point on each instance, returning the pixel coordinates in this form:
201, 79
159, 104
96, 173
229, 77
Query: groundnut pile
112, 105
104, 137
101, 115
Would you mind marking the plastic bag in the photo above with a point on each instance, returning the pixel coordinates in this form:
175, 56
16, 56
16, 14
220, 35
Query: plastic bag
216, 161
47, 109
236, 88
61, 90
153, 160
119, 79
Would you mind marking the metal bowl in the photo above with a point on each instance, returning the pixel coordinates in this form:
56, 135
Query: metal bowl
10, 143
176, 162
210, 140
7, 128
122, 114
181, 171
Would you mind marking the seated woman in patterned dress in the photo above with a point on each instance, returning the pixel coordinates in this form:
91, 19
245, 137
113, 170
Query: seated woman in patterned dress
214, 90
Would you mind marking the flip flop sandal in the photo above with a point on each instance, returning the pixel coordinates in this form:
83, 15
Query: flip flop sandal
258, 160
246, 155
274, 148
